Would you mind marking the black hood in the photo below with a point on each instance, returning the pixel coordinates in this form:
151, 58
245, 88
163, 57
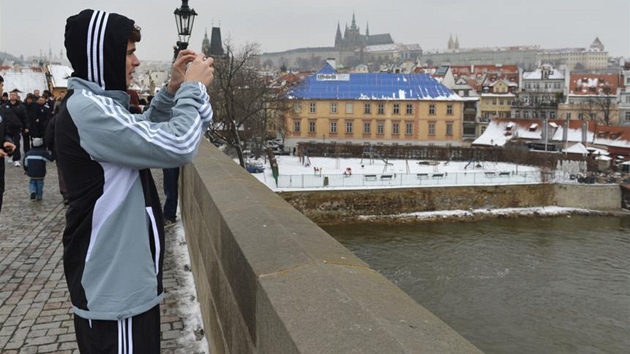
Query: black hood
96, 45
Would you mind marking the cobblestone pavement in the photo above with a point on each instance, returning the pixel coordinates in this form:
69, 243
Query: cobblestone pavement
35, 309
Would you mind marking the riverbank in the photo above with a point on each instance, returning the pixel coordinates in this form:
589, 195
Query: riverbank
483, 214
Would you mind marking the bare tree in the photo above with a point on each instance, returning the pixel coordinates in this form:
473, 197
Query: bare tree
603, 103
244, 102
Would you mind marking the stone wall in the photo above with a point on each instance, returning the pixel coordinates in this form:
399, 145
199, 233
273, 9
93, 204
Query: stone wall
589, 196
325, 207
269, 280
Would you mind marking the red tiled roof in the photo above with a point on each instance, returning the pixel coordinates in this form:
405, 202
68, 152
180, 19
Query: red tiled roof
594, 84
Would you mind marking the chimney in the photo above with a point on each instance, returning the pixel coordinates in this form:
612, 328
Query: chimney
584, 132
332, 62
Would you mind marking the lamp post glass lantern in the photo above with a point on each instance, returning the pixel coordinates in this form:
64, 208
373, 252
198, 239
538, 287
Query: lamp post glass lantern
184, 19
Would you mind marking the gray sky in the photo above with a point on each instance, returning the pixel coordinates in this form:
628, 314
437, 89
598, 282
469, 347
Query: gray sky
37, 25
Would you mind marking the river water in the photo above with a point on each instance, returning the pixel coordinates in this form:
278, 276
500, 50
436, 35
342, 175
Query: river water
550, 285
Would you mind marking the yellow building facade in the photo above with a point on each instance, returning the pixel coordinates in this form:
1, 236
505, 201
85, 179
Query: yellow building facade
412, 122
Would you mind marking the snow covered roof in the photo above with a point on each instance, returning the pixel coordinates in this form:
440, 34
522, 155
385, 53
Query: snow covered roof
26, 80
577, 148
59, 75
594, 84
500, 131
328, 84
554, 74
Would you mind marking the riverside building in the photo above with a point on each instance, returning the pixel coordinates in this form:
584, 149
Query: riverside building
373, 108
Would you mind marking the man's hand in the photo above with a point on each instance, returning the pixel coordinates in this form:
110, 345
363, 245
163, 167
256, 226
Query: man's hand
201, 69
7, 148
179, 69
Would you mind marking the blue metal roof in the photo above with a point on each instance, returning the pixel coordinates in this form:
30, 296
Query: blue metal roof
328, 84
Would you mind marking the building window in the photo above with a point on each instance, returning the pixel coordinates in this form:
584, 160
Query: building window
552, 115
297, 108
380, 128
349, 108
431, 128
568, 116
333, 107
449, 129
627, 116
367, 127
348, 127
395, 128
311, 126
333, 127
494, 101
500, 102
367, 108
409, 109
396, 108
628, 99
381, 108
296, 126
409, 128
312, 107
449, 110
432, 109
581, 116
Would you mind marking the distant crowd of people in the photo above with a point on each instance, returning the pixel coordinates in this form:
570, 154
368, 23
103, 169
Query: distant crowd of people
25, 125
28, 118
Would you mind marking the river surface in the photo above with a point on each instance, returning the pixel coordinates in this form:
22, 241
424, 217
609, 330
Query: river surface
550, 285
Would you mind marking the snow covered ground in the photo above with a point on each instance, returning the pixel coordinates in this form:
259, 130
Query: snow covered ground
355, 173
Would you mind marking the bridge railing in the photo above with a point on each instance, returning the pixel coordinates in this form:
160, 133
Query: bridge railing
271, 281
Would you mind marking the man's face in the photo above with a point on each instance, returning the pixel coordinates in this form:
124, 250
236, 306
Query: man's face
36, 93
132, 61
41, 100
13, 96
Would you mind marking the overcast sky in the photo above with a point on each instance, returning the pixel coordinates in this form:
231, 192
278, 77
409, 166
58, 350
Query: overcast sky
36, 25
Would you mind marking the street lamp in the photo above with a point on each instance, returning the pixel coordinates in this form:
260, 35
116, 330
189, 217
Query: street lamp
184, 19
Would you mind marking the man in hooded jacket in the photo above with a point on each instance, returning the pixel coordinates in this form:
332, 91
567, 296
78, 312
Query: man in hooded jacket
114, 235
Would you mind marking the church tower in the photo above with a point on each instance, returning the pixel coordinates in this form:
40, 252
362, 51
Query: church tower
338, 37
205, 44
597, 44
216, 43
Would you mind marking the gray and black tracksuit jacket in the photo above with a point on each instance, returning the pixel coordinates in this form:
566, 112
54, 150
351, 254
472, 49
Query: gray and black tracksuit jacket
114, 236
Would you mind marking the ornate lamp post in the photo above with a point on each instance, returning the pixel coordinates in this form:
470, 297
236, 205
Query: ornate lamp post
184, 19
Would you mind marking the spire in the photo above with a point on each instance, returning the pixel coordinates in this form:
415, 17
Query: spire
456, 44
354, 22
338, 38
205, 44
367, 29
450, 42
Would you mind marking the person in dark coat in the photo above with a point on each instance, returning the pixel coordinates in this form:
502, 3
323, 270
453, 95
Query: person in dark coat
35, 167
30, 107
5, 140
42, 116
19, 112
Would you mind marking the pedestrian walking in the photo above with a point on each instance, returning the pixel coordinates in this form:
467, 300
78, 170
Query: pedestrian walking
35, 168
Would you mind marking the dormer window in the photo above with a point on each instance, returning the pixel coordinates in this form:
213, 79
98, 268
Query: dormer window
532, 128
